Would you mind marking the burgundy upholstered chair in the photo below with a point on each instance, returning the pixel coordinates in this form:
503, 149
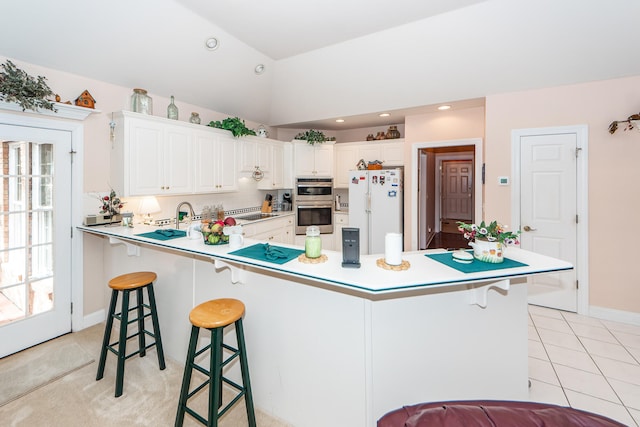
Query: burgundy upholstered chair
492, 413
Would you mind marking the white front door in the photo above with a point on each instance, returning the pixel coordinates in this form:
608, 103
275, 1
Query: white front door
35, 229
549, 212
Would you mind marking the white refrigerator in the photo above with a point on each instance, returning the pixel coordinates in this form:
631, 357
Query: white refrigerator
375, 206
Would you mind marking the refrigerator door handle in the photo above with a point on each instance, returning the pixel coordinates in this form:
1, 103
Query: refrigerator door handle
368, 196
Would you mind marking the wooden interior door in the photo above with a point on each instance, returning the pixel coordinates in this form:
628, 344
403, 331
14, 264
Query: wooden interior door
457, 194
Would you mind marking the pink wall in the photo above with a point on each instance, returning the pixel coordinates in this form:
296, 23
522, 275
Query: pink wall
613, 173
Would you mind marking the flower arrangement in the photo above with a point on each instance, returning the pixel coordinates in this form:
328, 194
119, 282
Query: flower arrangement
492, 232
111, 204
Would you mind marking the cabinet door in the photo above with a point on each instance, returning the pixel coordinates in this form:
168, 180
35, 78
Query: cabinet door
205, 162
303, 159
178, 155
393, 154
346, 160
340, 220
146, 158
247, 154
370, 153
323, 158
274, 176
227, 176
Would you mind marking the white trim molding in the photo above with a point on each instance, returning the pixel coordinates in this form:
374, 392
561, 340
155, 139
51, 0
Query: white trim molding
63, 111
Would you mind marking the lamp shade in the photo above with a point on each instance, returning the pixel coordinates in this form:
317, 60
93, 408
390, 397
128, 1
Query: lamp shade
149, 205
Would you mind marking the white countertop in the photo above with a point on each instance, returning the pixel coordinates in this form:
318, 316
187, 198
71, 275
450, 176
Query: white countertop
369, 278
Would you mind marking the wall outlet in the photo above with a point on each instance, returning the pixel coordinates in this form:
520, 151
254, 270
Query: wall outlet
165, 221
196, 218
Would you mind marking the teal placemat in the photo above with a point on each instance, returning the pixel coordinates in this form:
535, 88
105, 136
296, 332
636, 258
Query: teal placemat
259, 251
164, 234
475, 266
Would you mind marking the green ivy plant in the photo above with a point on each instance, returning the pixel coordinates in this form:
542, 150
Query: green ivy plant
233, 124
312, 136
19, 87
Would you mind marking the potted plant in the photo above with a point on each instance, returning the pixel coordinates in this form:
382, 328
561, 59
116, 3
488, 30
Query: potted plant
312, 137
488, 241
19, 87
233, 124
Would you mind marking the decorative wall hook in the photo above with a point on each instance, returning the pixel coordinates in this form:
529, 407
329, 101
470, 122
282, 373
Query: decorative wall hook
632, 122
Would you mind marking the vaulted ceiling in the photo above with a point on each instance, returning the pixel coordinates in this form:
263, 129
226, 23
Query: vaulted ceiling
326, 59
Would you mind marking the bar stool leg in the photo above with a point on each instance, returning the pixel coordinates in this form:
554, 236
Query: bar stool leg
215, 376
122, 343
156, 326
244, 368
107, 334
141, 338
186, 379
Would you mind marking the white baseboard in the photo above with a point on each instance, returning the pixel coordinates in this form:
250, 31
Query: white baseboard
93, 318
615, 315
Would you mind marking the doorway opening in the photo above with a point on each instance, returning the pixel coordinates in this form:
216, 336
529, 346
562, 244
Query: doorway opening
448, 179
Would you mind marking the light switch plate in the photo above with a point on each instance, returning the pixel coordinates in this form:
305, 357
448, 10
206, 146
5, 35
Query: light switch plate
503, 180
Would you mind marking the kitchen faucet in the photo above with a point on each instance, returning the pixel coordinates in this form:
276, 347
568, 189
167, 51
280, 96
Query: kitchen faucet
192, 213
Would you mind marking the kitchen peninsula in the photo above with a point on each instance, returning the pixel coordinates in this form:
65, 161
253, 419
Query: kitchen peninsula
335, 346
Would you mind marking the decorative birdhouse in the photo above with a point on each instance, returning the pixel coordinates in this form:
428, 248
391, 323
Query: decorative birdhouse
85, 100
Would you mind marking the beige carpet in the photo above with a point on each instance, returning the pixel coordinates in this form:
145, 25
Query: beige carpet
27, 371
150, 396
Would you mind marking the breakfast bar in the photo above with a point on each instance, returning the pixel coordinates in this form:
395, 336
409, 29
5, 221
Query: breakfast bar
338, 346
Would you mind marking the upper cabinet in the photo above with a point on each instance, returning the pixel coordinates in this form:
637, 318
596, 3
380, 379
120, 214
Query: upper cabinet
269, 156
215, 163
313, 160
156, 156
347, 156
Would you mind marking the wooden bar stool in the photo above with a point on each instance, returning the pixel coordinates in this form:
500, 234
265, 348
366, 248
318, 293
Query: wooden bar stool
127, 283
214, 315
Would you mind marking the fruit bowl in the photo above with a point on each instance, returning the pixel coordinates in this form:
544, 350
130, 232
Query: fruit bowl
213, 238
213, 233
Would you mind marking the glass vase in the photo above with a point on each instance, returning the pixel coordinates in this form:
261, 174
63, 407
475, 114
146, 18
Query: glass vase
172, 110
141, 102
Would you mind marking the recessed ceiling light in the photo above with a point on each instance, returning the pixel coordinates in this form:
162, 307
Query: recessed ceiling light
339, 120
385, 115
259, 69
444, 107
212, 43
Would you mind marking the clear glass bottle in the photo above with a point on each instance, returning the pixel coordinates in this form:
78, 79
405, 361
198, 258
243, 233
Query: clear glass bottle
313, 242
172, 110
141, 102
195, 118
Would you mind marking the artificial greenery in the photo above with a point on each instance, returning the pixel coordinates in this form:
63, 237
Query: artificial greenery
312, 136
233, 124
19, 87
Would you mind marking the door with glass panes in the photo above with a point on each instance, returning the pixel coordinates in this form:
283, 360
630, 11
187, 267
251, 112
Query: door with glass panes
35, 240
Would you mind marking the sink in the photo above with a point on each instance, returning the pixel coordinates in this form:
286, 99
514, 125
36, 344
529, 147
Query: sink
254, 216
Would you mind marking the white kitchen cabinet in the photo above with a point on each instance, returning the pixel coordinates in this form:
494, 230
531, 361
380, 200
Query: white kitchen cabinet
215, 163
156, 156
275, 230
313, 160
150, 157
270, 157
346, 159
340, 220
393, 153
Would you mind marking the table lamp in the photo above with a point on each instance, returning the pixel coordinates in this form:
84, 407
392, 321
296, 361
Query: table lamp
148, 205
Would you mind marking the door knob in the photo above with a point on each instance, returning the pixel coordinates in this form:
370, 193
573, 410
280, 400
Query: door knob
527, 228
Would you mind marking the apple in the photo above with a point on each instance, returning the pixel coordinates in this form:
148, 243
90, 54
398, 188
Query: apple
229, 221
217, 228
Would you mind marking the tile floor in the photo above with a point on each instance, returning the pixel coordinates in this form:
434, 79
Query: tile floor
585, 363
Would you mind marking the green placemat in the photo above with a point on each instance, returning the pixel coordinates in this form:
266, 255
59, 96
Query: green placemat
475, 266
164, 234
280, 255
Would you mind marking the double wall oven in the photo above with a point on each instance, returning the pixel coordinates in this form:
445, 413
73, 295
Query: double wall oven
313, 203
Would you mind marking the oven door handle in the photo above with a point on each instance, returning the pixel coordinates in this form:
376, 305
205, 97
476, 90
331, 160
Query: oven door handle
314, 206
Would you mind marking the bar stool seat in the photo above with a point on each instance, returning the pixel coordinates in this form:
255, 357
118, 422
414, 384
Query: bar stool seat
214, 316
125, 284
